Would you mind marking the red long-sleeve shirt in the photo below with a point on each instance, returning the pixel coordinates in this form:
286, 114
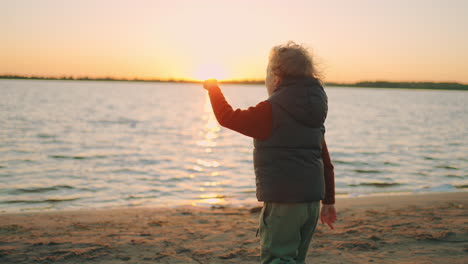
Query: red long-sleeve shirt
257, 122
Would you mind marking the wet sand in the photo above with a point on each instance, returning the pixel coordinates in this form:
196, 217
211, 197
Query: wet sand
419, 228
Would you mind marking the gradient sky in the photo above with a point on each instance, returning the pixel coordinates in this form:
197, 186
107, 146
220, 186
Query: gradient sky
352, 40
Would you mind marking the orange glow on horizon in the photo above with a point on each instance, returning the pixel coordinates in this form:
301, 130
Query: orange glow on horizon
199, 40
210, 71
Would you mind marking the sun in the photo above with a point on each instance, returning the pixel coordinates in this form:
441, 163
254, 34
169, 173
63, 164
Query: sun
210, 71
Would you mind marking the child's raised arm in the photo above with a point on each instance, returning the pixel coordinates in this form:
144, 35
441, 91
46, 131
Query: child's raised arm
254, 122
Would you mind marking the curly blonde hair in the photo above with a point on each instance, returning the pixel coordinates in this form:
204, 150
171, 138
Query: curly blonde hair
292, 60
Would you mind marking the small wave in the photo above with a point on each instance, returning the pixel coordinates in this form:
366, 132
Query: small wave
137, 197
41, 189
215, 196
54, 141
247, 191
78, 157
463, 186
350, 162
438, 188
175, 179
129, 171
150, 162
51, 200
367, 171
22, 151
377, 184
45, 135
454, 176
194, 169
370, 153
446, 167
119, 121
57, 200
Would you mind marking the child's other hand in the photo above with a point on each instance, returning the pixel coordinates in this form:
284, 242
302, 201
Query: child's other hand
328, 215
211, 83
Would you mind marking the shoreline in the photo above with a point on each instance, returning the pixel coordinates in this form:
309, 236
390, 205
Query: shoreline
416, 228
340, 197
358, 201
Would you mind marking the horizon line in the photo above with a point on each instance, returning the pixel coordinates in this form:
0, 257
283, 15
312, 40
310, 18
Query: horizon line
188, 80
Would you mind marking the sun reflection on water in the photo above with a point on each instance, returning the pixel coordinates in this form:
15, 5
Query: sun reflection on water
211, 128
210, 198
209, 163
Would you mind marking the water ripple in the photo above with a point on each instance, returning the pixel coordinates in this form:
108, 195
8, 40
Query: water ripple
40, 189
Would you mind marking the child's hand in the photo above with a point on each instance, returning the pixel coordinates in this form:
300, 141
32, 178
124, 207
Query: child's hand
211, 83
328, 215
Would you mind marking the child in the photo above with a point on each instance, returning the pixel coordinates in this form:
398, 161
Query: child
292, 165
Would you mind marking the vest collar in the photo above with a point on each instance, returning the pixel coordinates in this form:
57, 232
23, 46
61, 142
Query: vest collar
294, 81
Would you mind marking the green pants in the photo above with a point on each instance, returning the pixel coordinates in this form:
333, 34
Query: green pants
286, 230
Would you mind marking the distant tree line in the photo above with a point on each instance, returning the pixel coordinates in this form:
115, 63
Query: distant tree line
365, 84
404, 85
86, 78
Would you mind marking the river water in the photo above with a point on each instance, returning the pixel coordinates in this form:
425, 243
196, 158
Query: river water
86, 144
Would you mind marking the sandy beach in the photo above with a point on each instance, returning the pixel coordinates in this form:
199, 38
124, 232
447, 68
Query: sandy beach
419, 228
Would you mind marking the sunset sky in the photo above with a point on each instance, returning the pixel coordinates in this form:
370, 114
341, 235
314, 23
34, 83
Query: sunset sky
352, 40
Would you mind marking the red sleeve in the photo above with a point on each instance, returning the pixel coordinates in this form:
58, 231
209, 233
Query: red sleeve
254, 122
329, 175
